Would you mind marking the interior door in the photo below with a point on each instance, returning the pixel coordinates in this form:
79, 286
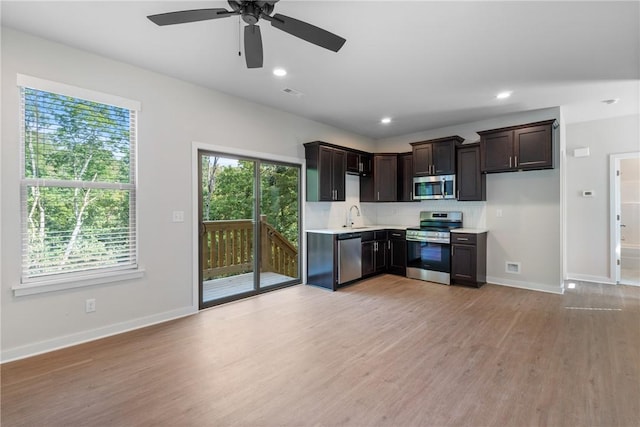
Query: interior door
626, 217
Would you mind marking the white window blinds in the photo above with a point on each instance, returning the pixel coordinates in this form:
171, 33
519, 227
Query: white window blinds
78, 195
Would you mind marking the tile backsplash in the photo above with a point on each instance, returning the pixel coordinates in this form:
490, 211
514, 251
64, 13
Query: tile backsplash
334, 214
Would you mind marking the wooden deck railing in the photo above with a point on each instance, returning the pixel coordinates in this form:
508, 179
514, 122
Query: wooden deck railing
227, 249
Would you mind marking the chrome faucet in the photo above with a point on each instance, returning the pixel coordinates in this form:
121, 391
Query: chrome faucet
350, 218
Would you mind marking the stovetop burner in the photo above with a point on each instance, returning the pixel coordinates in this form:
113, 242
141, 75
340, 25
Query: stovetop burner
435, 226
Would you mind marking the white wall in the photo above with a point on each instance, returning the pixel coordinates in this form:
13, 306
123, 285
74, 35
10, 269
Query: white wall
588, 240
529, 230
174, 114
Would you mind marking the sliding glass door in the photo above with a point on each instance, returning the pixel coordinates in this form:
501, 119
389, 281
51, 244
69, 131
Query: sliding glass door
249, 226
279, 223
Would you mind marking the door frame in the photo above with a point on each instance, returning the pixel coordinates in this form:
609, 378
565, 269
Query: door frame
196, 147
615, 210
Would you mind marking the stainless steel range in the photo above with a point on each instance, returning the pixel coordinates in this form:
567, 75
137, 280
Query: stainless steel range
429, 246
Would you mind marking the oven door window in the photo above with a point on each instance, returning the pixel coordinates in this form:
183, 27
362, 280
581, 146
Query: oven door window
429, 256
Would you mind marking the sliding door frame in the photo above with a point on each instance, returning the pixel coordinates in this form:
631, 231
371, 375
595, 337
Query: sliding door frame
259, 158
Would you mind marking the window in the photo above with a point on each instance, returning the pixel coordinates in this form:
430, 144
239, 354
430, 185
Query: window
78, 183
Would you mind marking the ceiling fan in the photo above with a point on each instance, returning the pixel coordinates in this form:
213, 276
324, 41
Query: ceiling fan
251, 12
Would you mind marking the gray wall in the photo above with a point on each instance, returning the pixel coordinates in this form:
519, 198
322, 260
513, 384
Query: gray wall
529, 230
174, 114
588, 241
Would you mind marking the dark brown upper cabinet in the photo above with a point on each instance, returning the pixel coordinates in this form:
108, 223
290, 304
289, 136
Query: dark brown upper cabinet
326, 169
470, 180
358, 163
405, 177
381, 186
523, 147
435, 156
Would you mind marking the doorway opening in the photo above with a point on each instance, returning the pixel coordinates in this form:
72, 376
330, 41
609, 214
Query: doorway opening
249, 234
625, 217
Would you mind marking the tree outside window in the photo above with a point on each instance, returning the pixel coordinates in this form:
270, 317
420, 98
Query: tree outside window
78, 185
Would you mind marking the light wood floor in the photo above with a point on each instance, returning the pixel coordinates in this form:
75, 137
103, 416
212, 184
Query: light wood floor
388, 351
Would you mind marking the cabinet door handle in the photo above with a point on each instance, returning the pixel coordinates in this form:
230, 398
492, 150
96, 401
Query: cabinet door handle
389, 244
410, 195
516, 162
458, 194
378, 195
509, 161
462, 238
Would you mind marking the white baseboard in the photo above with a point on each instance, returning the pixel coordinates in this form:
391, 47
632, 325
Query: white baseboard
526, 285
46, 346
591, 279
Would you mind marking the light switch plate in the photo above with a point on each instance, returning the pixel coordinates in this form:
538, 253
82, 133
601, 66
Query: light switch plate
178, 216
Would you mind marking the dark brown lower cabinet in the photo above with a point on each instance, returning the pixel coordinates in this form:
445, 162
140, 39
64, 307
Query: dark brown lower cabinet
368, 260
469, 259
374, 252
384, 251
397, 252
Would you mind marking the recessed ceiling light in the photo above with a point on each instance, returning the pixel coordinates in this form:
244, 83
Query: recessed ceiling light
611, 101
385, 120
504, 95
280, 72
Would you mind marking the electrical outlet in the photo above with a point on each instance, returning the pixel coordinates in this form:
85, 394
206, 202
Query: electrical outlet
90, 305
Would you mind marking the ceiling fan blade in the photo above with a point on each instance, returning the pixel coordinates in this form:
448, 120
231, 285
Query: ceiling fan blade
185, 16
305, 31
253, 46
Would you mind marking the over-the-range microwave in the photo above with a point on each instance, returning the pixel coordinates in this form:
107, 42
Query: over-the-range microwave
434, 187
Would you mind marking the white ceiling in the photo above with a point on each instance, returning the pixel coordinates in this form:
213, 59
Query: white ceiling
425, 64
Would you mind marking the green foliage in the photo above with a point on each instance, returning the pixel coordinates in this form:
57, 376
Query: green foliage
232, 196
72, 140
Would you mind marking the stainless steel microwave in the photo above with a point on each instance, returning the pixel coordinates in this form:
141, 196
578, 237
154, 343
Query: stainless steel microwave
434, 187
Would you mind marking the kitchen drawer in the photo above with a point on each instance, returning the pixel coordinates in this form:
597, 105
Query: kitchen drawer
367, 236
463, 238
380, 234
397, 234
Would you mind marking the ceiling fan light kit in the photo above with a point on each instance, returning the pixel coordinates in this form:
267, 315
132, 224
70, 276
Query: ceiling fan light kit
251, 12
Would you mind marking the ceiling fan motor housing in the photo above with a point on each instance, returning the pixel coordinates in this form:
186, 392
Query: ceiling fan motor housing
251, 10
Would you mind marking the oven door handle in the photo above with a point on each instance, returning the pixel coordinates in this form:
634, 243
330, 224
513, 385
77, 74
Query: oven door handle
438, 241
409, 239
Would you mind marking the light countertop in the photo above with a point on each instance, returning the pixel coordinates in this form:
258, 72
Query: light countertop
340, 230
470, 230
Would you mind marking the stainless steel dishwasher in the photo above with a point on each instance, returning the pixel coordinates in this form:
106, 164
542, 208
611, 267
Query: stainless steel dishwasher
349, 257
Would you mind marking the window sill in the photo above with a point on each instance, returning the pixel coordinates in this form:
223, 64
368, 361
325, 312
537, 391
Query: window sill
77, 282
